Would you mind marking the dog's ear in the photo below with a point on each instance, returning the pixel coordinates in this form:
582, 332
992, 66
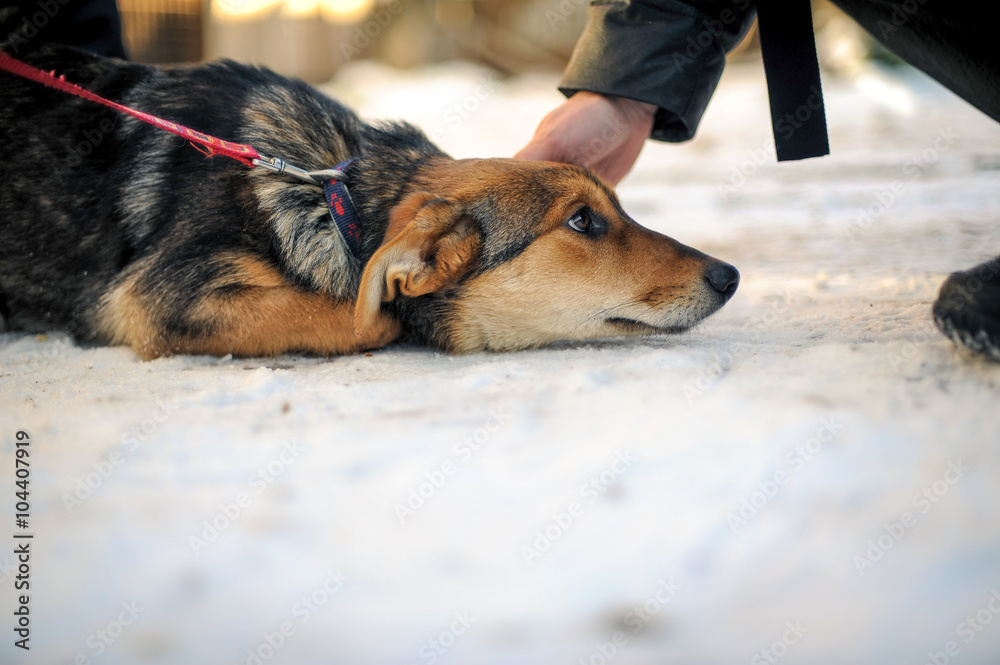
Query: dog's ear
428, 245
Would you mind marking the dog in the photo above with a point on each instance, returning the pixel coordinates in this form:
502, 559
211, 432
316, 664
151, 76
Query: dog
119, 233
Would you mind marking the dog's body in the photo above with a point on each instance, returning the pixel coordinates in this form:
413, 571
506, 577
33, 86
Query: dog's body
121, 233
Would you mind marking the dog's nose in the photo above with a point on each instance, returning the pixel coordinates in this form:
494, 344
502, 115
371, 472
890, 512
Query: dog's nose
723, 277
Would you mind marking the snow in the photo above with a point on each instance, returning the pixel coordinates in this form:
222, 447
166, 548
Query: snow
864, 446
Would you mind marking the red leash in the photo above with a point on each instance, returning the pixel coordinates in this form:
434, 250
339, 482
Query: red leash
237, 151
338, 199
212, 146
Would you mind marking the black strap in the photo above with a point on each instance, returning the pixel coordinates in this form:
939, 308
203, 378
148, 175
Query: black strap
788, 48
342, 209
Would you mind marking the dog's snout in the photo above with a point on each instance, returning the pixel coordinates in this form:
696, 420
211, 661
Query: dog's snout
723, 277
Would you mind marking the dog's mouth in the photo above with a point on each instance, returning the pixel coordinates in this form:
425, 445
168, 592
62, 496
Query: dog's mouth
634, 327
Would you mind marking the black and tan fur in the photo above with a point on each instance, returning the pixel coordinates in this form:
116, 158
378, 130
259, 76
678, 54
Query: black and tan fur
121, 233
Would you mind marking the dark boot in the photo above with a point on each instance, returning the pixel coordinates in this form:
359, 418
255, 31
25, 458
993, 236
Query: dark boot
968, 308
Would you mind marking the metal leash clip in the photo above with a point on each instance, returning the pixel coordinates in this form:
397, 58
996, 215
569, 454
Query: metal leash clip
278, 166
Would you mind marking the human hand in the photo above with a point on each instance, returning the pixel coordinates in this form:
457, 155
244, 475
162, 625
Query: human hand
602, 132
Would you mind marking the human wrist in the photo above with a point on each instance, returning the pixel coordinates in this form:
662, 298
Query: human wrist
634, 109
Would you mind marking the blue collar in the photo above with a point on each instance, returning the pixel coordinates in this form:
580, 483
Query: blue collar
342, 209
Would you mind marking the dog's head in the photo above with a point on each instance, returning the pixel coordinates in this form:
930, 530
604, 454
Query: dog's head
499, 254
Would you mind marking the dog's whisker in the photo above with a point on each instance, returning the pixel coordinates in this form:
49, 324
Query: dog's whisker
607, 312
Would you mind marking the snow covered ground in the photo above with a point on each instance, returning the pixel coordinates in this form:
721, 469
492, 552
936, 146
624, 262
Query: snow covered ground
811, 476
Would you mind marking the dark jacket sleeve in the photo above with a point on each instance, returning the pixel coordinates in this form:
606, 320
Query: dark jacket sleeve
664, 52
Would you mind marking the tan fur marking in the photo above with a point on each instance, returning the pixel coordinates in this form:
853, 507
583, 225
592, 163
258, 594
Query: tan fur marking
122, 319
567, 287
268, 316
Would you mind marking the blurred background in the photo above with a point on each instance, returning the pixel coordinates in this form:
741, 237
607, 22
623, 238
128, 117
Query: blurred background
312, 39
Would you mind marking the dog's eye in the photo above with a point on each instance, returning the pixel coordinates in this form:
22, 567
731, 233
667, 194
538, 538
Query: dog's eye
580, 221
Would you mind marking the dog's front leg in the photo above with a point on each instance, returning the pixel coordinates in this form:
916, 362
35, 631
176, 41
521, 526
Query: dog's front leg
248, 309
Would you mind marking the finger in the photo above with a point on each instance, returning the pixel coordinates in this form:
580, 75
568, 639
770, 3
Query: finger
536, 150
609, 171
